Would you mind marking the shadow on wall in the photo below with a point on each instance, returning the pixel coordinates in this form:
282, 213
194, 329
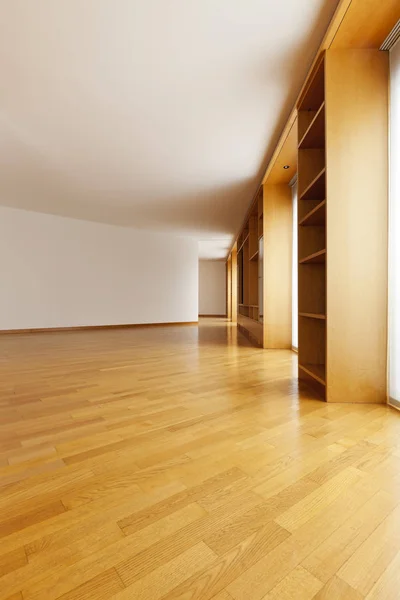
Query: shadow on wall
207, 212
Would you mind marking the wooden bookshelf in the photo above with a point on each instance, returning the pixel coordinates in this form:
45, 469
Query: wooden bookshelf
342, 195
278, 240
312, 231
249, 315
337, 140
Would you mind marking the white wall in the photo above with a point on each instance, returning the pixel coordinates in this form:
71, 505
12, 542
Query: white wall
394, 227
60, 272
212, 287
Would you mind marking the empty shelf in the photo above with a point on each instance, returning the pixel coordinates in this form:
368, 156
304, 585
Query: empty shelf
317, 372
315, 258
316, 216
316, 189
243, 242
254, 256
314, 136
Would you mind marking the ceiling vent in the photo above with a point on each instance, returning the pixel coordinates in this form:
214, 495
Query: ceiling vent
392, 38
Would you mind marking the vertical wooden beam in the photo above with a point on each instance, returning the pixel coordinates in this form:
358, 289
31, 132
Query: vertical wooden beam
356, 100
234, 284
278, 235
229, 288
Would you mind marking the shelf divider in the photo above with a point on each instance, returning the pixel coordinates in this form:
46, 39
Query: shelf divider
314, 258
316, 216
317, 372
316, 184
315, 131
243, 243
254, 256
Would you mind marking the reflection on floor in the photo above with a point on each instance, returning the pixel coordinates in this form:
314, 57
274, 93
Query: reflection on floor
182, 463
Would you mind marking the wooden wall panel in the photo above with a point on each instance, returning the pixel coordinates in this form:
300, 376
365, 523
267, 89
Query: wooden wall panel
357, 221
234, 283
229, 288
278, 235
366, 24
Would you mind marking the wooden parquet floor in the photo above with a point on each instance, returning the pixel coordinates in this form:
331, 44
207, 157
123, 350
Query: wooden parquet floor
181, 463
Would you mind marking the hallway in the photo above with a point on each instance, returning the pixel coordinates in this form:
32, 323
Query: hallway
183, 463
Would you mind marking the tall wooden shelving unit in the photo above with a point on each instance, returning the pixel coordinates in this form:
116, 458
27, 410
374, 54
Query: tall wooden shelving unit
278, 247
312, 231
264, 265
249, 315
342, 226
261, 258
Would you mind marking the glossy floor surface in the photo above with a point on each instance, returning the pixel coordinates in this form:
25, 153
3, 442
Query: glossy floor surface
182, 463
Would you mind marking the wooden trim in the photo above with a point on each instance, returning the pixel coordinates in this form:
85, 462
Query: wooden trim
214, 316
277, 264
91, 327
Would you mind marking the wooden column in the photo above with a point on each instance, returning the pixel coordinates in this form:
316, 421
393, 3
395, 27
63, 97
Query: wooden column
229, 288
234, 284
356, 98
278, 234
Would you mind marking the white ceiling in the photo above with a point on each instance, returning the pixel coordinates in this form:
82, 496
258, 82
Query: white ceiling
156, 114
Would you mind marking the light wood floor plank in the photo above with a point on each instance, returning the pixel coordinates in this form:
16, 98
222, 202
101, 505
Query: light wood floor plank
337, 589
388, 585
370, 560
327, 559
163, 579
299, 584
182, 463
213, 580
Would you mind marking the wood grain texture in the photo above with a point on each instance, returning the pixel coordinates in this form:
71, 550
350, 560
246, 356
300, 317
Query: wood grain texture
366, 24
337, 589
278, 236
298, 584
356, 98
229, 288
183, 463
234, 284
